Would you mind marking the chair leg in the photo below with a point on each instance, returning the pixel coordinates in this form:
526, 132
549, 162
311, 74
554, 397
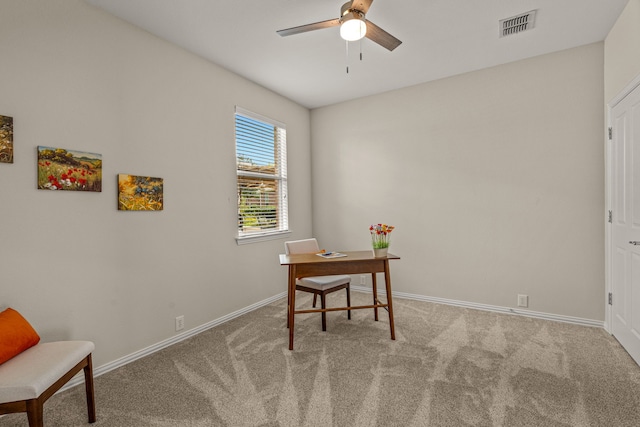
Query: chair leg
314, 300
324, 313
34, 413
88, 383
348, 302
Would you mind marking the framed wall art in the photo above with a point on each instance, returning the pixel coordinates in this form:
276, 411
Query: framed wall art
6, 139
140, 193
61, 169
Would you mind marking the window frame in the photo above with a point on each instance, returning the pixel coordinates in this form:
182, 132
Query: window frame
280, 178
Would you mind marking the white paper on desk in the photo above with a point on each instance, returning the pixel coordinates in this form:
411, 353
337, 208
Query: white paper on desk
331, 255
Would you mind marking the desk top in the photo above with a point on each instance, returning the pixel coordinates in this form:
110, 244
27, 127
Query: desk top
350, 257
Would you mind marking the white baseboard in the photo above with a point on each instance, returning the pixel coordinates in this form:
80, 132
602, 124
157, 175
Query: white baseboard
78, 379
486, 307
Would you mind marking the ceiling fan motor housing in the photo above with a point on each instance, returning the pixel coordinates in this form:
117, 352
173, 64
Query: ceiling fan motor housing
346, 8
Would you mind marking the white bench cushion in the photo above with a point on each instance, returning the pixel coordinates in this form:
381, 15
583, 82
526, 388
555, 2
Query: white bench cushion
322, 283
29, 374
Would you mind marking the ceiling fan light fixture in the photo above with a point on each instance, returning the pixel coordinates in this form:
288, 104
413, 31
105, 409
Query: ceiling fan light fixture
352, 27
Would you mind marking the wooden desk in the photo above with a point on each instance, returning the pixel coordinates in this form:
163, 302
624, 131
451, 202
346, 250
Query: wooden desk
358, 262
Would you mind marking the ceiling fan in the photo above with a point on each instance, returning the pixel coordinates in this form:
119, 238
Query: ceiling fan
353, 25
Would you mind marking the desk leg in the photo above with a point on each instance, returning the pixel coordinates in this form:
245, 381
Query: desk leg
387, 281
292, 303
374, 285
289, 294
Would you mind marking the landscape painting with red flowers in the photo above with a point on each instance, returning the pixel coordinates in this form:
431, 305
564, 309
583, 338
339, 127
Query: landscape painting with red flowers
140, 193
6, 139
60, 169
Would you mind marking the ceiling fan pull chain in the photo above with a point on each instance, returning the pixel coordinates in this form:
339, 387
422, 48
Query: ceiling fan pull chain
360, 49
347, 55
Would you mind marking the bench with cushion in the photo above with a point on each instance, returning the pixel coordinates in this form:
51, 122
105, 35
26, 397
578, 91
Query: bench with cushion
29, 376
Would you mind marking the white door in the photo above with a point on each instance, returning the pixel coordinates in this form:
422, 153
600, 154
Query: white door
625, 230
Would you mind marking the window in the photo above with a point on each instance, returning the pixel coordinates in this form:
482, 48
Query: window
261, 163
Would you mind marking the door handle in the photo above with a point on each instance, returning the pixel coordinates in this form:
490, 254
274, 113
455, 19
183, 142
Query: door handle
634, 242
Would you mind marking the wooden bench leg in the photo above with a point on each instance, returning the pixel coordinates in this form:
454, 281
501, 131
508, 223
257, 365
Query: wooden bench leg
34, 412
88, 384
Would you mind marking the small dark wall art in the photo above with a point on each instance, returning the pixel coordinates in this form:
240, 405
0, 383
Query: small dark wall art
6, 139
140, 193
60, 169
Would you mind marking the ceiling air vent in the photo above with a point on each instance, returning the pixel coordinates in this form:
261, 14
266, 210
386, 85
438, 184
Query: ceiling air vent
517, 24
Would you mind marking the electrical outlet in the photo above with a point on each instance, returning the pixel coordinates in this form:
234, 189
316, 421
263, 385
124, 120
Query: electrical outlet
179, 323
523, 300
363, 280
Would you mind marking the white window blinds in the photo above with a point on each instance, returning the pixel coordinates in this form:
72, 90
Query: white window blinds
261, 163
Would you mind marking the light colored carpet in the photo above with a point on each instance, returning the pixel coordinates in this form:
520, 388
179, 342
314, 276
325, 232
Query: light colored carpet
449, 366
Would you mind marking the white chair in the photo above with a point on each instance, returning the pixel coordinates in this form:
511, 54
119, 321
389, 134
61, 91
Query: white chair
33, 376
319, 285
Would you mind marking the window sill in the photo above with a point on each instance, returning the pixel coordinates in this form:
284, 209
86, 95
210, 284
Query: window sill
256, 238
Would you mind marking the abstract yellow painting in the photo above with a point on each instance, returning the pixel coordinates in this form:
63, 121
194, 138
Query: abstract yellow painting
6, 139
140, 193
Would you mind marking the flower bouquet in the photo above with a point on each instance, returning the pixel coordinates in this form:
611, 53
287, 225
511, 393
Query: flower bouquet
380, 234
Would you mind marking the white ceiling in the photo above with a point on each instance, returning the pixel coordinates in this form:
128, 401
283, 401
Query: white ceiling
440, 38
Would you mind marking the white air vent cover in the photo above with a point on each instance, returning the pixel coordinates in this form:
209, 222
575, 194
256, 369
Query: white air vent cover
517, 24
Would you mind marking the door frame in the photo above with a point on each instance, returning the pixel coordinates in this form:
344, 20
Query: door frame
608, 178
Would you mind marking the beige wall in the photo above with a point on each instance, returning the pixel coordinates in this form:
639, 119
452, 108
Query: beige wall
621, 51
494, 180
75, 77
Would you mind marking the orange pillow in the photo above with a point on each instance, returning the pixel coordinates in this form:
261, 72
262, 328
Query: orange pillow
16, 334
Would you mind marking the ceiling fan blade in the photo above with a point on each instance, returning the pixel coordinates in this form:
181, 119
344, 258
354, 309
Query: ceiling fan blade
380, 36
309, 27
361, 5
